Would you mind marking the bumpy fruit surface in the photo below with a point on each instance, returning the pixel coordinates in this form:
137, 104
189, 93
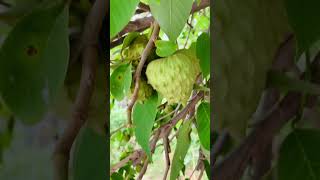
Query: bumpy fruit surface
173, 77
145, 90
247, 35
134, 51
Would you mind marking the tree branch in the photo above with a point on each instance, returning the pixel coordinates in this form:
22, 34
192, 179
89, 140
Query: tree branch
142, 24
159, 133
258, 141
93, 25
137, 74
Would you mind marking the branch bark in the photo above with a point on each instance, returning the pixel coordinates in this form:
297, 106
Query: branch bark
142, 24
137, 74
90, 56
258, 141
137, 155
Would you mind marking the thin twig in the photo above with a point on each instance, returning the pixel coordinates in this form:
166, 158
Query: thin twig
161, 132
218, 146
144, 168
190, 29
121, 127
142, 24
166, 154
81, 106
201, 173
169, 114
137, 74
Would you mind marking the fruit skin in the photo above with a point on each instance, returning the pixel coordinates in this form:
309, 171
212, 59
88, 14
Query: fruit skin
247, 35
134, 51
145, 90
173, 77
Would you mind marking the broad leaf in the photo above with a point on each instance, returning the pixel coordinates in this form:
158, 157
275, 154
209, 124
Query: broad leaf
120, 81
304, 19
120, 13
302, 146
171, 15
203, 124
143, 120
165, 48
91, 156
183, 143
203, 53
33, 62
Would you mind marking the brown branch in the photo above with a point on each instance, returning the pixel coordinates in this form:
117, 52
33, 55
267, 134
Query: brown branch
167, 150
218, 145
144, 7
133, 157
137, 74
159, 133
260, 138
80, 112
142, 24
144, 169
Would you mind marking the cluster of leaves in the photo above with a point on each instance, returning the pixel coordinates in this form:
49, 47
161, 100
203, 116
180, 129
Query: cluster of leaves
297, 156
150, 114
302, 139
34, 58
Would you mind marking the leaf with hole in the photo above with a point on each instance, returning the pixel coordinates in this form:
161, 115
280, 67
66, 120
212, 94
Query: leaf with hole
33, 62
90, 159
183, 143
120, 81
120, 13
143, 120
171, 15
302, 146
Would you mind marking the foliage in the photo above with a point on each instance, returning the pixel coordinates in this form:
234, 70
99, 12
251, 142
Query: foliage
151, 115
260, 100
39, 77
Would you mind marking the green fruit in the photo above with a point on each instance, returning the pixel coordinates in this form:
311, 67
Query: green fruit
173, 77
145, 90
247, 35
134, 51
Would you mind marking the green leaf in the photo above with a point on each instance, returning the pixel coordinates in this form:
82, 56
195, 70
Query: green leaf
120, 81
203, 53
129, 38
90, 159
207, 168
33, 62
121, 12
143, 120
116, 176
165, 48
171, 15
302, 146
198, 2
183, 143
304, 19
203, 124
285, 83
